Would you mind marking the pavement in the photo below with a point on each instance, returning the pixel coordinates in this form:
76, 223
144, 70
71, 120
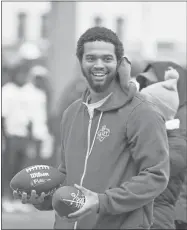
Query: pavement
33, 220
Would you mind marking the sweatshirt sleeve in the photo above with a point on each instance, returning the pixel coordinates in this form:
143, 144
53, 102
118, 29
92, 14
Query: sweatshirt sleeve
148, 145
177, 152
47, 204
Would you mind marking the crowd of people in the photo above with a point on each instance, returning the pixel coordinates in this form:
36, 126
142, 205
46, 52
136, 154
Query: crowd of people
127, 137
25, 131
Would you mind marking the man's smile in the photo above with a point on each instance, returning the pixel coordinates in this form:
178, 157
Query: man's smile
99, 76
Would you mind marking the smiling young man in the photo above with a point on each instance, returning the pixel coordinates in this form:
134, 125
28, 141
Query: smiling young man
113, 148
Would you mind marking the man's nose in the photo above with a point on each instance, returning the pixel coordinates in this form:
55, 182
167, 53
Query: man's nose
98, 64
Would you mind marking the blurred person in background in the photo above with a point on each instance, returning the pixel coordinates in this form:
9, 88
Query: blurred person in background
24, 127
164, 204
4, 72
41, 141
181, 207
15, 132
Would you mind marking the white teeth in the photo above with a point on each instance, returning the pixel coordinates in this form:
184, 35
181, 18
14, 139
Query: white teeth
99, 74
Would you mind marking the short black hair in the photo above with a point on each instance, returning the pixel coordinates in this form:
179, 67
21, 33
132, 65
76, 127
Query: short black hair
100, 34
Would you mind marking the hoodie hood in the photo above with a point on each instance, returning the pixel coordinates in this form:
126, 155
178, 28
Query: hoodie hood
116, 100
160, 67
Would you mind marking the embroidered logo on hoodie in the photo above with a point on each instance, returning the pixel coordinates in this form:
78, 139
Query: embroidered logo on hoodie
103, 133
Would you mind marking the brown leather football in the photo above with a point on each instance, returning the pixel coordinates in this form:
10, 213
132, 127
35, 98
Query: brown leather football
67, 199
42, 178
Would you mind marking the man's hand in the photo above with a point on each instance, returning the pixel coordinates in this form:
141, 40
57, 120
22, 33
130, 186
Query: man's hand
91, 204
124, 72
34, 199
128, 85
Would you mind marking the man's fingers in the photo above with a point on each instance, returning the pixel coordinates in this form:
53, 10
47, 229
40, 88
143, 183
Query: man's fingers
124, 73
69, 220
24, 198
33, 193
41, 197
83, 190
79, 214
76, 214
124, 62
126, 59
33, 197
16, 195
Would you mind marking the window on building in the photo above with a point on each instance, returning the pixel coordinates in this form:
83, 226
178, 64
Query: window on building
22, 17
98, 21
44, 26
120, 27
163, 45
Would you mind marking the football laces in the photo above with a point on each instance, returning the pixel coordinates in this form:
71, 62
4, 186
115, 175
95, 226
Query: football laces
78, 201
36, 167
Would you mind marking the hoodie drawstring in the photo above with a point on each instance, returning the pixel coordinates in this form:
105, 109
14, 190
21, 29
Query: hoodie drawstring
89, 150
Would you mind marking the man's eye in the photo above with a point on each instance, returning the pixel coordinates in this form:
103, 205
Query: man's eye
108, 59
90, 58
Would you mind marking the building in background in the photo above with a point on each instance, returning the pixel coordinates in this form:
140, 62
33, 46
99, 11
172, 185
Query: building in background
23, 24
23, 21
148, 30
154, 29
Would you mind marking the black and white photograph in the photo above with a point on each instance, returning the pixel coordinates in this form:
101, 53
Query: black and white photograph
93, 115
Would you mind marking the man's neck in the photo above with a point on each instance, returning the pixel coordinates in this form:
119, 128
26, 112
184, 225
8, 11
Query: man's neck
95, 97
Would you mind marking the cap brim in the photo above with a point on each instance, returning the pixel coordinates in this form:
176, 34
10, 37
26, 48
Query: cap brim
148, 75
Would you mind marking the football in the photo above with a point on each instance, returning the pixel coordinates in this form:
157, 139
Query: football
41, 178
66, 200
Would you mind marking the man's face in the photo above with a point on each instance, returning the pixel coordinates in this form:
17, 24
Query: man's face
99, 64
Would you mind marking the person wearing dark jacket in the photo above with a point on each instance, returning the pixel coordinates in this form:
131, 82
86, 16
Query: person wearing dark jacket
164, 204
181, 204
114, 148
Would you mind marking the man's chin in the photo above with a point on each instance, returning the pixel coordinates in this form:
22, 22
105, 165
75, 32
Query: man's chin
98, 88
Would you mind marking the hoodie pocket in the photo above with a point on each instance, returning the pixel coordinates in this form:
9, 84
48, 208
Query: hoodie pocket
136, 220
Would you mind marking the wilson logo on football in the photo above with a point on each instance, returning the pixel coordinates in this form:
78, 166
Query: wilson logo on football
78, 201
40, 181
38, 174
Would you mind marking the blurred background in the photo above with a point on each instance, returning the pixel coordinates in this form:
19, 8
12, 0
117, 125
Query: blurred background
38, 54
